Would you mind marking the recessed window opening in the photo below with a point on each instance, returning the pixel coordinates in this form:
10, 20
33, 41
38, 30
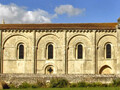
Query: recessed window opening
21, 51
50, 51
79, 51
108, 51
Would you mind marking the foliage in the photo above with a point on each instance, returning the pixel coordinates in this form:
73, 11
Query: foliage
34, 86
116, 82
41, 83
82, 84
62, 83
73, 85
25, 85
80, 88
59, 83
96, 84
12, 86
110, 85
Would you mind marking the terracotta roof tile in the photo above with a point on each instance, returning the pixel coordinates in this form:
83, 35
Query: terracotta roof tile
89, 26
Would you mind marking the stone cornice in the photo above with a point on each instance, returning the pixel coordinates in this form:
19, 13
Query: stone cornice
58, 30
105, 30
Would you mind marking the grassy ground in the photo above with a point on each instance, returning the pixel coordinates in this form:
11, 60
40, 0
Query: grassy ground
89, 88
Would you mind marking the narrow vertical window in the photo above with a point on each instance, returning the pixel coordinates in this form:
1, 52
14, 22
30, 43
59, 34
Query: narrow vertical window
50, 51
80, 51
108, 51
21, 52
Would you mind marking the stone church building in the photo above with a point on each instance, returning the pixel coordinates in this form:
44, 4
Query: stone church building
81, 48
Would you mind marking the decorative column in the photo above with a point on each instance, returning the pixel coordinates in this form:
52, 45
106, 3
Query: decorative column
66, 54
94, 52
34, 52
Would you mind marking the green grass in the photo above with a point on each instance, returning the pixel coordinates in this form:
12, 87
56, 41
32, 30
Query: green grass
89, 88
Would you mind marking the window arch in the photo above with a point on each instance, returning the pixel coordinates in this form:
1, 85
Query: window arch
21, 51
49, 69
108, 50
79, 51
50, 51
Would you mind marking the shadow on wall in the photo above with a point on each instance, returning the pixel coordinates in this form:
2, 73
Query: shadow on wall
105, 70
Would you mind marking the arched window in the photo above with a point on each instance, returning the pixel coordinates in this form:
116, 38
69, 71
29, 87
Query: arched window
108, 51
21, 51
50, 51
79, 51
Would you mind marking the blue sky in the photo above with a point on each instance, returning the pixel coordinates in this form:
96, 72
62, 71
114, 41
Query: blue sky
60, 11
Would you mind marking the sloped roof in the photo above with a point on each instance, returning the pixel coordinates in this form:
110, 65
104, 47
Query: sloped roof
89, 26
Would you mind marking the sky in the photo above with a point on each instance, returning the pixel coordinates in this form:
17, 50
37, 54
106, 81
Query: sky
59, 11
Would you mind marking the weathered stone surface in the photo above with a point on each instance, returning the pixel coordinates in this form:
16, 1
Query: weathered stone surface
64, 53
65, 41
17, 79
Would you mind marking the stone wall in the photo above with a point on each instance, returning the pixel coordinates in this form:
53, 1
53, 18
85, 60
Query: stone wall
65, 50
17, 79
64, 43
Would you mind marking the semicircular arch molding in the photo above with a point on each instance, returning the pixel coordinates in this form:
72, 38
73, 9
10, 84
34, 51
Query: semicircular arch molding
50, 64
79, 39
49, 69
45, 40
69, 40
46, 35
105, 70
21, 42
11, 35
13, 41
108, 36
